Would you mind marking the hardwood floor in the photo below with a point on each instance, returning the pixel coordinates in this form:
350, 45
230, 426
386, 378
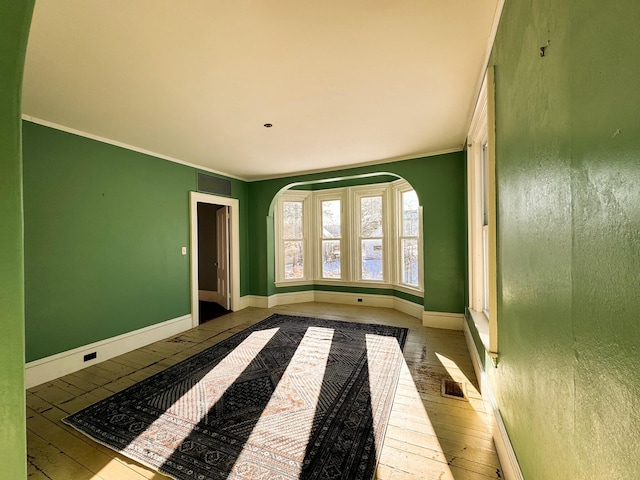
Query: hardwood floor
428, 437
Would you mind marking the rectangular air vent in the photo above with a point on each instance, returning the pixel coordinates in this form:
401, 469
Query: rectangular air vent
90, 356
452, 389
215, 185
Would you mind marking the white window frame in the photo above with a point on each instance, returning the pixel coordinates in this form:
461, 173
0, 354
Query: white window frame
350, 251
307, 244
324, 196
357, 194
482, 233
400, 187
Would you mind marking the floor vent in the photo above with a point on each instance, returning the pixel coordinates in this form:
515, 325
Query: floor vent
451, 389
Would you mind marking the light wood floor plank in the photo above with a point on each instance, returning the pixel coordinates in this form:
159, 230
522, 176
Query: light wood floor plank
82, 452
428, 436
54, 463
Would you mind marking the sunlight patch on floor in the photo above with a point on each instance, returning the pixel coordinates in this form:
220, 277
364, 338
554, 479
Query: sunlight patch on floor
221, 377
291, 406
457, 375
410, 422
380, 345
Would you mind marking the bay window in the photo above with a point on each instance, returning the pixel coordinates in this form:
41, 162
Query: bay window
362, 235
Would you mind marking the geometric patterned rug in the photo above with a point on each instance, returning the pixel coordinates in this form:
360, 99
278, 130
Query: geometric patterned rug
287, 398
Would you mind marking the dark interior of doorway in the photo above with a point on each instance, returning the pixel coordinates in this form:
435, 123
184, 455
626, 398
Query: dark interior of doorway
210, 310
207, 261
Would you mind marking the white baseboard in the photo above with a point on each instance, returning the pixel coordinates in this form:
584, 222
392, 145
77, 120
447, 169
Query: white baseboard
506, 453
475, 356
449, 321
345, 298
208, 296
271, 301
253, 301
60, 364
405, 306
289, 298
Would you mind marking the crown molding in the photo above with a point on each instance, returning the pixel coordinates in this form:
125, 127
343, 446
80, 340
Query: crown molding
98, 138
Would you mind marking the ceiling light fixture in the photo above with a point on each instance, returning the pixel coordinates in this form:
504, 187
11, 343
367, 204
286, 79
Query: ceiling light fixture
268, 125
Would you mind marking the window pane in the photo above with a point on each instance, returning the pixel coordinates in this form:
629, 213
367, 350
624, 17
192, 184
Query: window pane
293, 259
410, 261
371, 216
485, 184
485, 269
331, 258
331, 219
409, 213
372, 259
292, 219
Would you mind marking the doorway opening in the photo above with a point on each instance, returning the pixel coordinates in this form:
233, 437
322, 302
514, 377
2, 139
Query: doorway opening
214, 256
213, 261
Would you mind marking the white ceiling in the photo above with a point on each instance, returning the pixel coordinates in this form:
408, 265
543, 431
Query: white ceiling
344, 82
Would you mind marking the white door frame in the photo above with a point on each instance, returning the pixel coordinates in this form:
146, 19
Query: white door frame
222, 257
234, 248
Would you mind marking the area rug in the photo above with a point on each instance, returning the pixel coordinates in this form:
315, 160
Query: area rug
287, 398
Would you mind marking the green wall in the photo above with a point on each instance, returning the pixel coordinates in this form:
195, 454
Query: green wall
15, 18
439, 183
568, 187
104, 227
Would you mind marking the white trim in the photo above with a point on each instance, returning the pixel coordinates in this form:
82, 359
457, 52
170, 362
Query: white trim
347, 298
399, 188
350, 239
337, 168
361, 284
344, 298
356, 194
254, 301
494, 31
234, 247
339, 195
482, 326
487, 54
405, 306
504, 448
483, 263
448, 321
64, 363
126, 146
260, 301
305, 198
475, 357
408, 289
289, 298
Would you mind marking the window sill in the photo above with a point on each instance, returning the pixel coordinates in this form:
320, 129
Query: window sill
293, 283
410, 290
481, 322
345, 283
362, 284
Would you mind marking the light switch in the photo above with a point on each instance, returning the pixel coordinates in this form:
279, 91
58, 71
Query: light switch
184, 250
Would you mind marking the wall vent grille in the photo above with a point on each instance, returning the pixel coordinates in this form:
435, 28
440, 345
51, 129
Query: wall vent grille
215, 185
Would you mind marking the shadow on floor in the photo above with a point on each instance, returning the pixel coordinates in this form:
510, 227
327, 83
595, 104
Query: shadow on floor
211, 310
